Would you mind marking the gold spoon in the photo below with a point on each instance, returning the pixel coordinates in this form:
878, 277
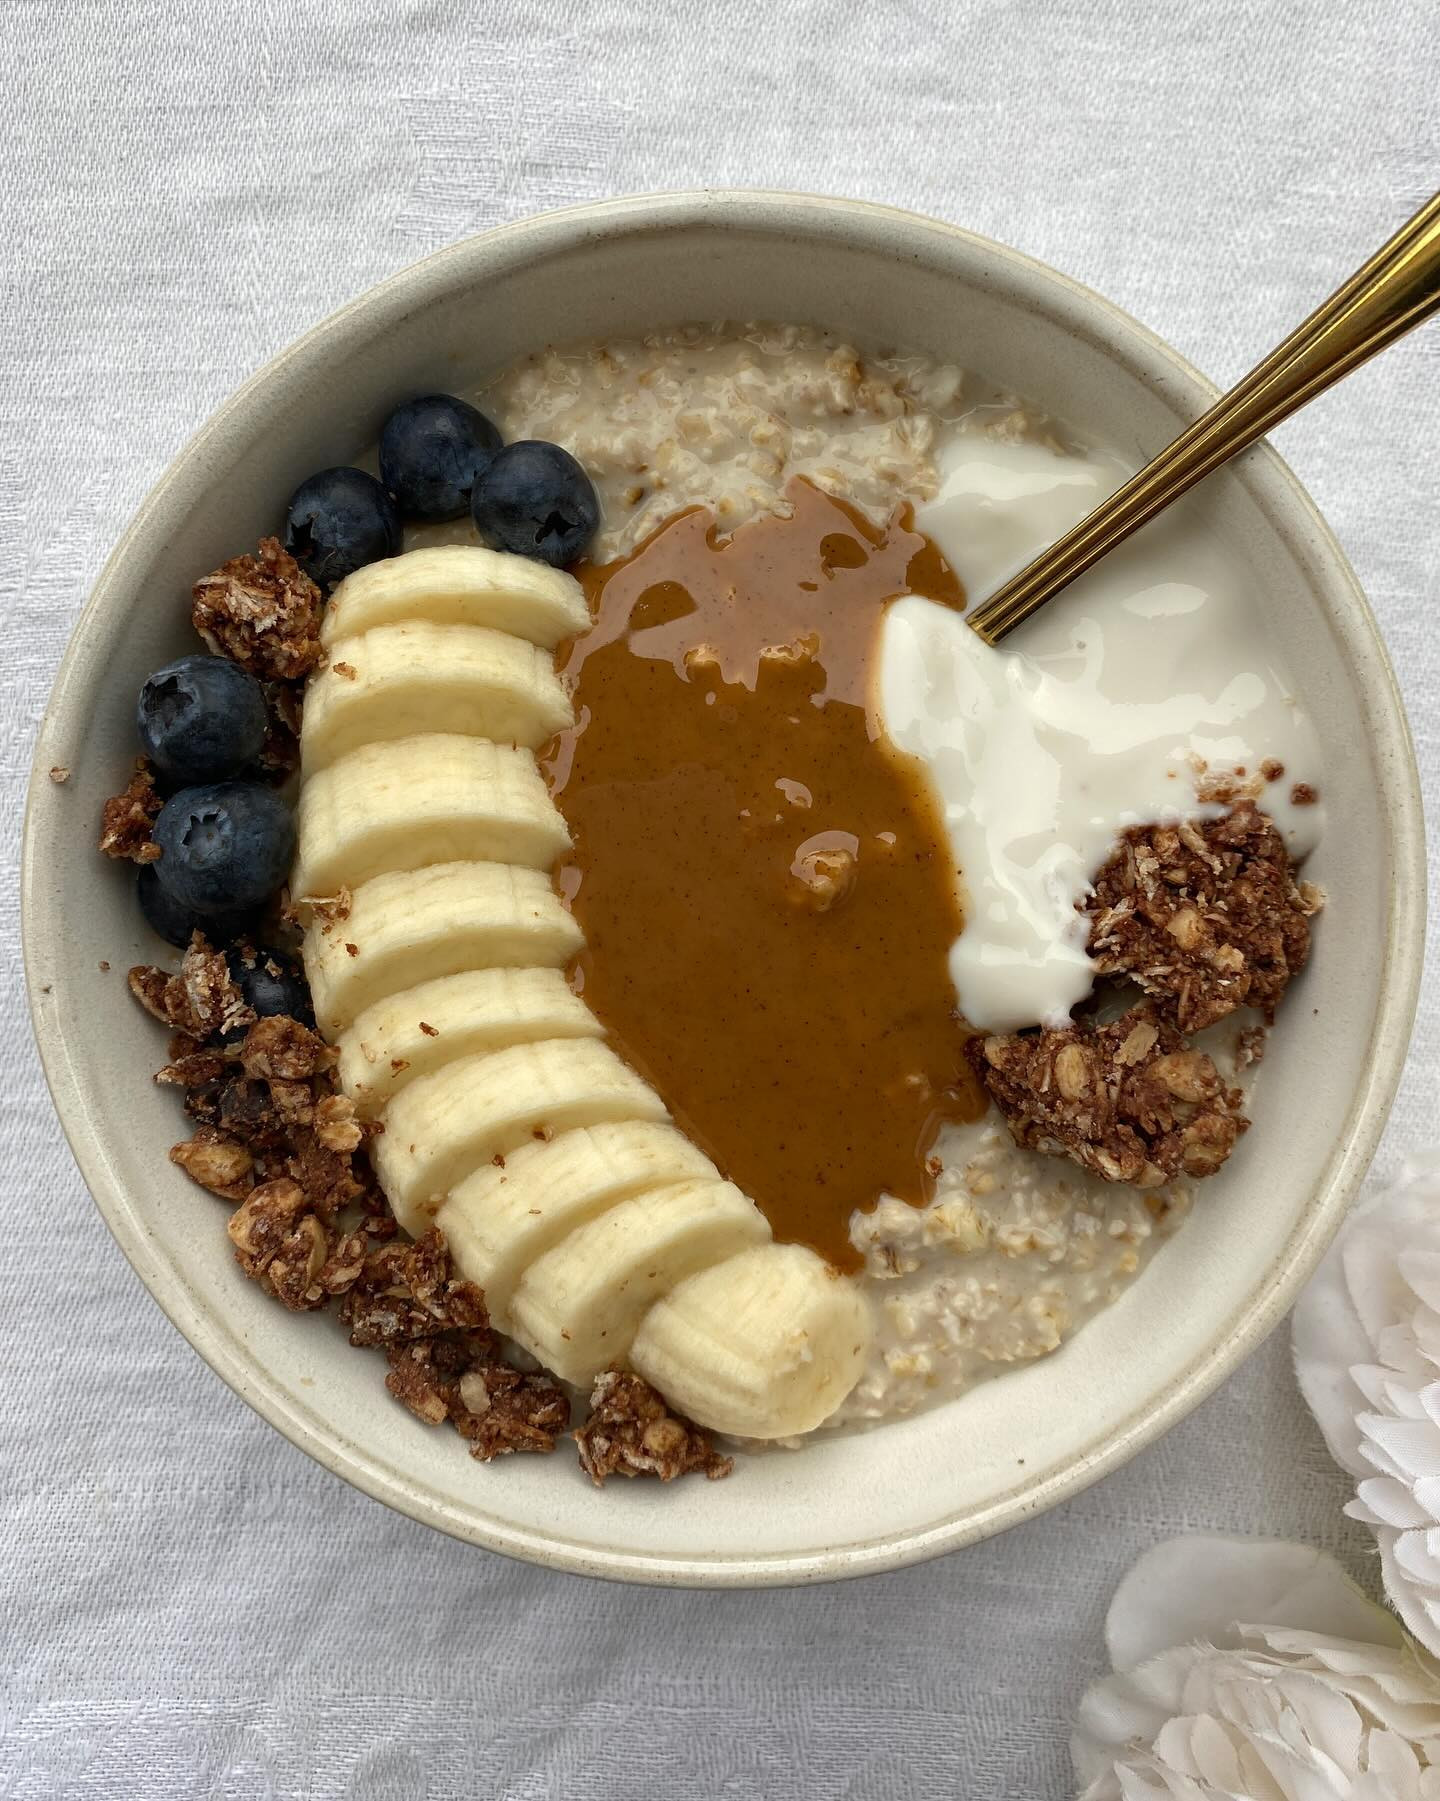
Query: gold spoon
1383, 299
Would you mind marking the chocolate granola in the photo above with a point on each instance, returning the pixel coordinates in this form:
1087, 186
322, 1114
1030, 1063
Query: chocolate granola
631, 1432
409, 1291
503, 1410
425, 1374
263, 612
127, 819
1205, 916
217, 1162
280, 1242
496, 1408
282, 1048
202, 1001
278, 1141
272, 1134
1129, 1100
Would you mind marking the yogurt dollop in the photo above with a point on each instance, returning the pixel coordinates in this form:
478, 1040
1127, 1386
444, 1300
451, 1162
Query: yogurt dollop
1150, 669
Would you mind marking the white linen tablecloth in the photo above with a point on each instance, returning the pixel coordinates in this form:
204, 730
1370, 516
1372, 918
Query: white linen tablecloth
188, 1607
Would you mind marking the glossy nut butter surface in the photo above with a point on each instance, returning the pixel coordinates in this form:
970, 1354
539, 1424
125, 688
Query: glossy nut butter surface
765, 890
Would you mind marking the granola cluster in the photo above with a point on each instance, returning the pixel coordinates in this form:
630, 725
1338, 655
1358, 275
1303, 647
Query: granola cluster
409, 1291
444, 1359
128, 818
310, 1225
263, 612
1205, 916
631, 1432
272, 1135
288, 1241
1131, 1101
496, 1408
201, 1001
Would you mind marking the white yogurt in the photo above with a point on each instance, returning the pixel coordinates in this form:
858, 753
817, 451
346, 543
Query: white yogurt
1154, 662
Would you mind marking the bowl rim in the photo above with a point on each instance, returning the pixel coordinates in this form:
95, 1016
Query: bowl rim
199, 1318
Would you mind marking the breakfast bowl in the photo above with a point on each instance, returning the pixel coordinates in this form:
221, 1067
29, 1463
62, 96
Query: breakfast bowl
862, 1498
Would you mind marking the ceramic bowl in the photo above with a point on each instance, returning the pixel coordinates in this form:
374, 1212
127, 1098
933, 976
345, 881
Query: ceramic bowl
842, 1505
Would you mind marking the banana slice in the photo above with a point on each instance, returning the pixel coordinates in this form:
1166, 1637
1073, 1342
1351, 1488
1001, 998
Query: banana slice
765, 1345
459, 584
434, 798
415, 925
560, 1183
577, 1308
401, 679
499, 1221
446, 1125
419, 1030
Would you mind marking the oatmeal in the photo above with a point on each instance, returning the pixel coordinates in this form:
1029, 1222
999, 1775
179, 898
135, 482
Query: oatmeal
1012, 1256
725, 420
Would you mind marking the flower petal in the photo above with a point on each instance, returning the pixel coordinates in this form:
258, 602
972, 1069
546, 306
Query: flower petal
1358, 1302
1200, 1588
1420, 1266
1407, 1447
1417, 1554
1392, 1503
1328, 1341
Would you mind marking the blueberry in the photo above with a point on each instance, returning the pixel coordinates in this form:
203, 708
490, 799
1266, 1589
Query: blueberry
271, 982
339, 520
431, 451
536, 501
224, 846
175, 923
201, 718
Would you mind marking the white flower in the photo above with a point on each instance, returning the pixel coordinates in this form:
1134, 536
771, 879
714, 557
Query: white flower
1255, 1670
1367, 1355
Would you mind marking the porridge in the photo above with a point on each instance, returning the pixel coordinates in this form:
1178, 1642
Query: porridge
1006, 1261
762, 1005
724, 421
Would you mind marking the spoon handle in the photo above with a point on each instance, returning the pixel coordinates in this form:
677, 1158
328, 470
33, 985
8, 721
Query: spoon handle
1397, 288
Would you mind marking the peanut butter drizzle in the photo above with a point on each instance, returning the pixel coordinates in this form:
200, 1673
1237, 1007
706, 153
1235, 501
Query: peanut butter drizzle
764, 885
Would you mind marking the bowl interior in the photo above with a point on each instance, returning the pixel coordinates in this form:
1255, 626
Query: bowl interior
845, 1504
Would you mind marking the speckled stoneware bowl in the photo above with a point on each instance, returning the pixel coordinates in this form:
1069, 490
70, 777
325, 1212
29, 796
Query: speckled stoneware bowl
842, 1505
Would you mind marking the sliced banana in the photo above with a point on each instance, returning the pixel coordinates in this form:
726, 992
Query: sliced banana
444, 1126
498, 1221
433, 798
413, 926
577, 1308
401, 679
595, 1227
765, 1345
417, 1031
458, 584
